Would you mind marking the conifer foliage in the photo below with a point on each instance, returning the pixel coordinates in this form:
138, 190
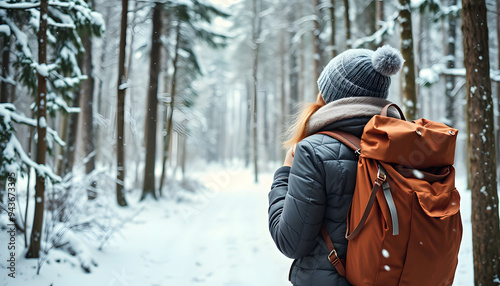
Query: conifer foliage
51, 79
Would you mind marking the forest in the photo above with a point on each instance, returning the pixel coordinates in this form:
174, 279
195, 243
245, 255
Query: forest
129, 127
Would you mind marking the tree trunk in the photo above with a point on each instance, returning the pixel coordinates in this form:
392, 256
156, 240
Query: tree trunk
183, 157
170, 119
380, 15
166, 83
132, 34
103, 67
103, 70
485, 220
151, 113
222, 127
63, 133
4, 86
316, 47
347, 24
41, 149
255, 114
120, 111
293, 91
408, 76
256, 29
332, 35
166, 30
302, 70
498, 83
282, 89
28, 180
87, 97
369, 22
248, 123
267, 129
420, 61
62, 160
379, 18
72, 133
450, 80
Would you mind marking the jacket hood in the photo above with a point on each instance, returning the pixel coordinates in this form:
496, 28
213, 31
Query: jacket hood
348, 114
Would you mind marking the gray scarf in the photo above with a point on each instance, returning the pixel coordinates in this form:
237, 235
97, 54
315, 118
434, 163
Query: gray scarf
347, 108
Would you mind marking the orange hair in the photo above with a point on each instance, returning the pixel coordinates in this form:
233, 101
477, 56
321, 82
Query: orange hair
298, 129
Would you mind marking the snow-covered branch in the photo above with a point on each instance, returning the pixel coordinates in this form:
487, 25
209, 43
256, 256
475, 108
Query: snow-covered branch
8, 80
7, 111
19, 5
27, 5
388, 27
15, 147
21, 37
4, 29
431, 75
436, 7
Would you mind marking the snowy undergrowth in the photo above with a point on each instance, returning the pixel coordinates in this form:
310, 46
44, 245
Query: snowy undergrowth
76, 230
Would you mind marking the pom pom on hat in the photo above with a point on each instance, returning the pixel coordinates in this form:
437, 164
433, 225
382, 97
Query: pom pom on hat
387, 60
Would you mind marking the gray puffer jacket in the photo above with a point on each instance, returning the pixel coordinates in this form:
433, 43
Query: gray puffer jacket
318, 189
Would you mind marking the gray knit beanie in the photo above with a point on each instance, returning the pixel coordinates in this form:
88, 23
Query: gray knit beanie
360, 72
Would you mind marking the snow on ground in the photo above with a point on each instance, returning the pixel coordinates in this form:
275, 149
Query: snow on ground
217, 237
222, 239
465, 269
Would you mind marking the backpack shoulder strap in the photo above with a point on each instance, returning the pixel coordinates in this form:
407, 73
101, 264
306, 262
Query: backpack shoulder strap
338, 263
352, 142
348, 139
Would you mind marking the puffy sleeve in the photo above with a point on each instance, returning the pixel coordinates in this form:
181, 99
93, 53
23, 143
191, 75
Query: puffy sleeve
297, 203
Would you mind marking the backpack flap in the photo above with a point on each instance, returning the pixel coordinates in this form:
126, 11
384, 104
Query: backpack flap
419, 144
439, 199
434, 188
439, 206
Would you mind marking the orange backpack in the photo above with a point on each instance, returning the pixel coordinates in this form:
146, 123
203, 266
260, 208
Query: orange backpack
404, 225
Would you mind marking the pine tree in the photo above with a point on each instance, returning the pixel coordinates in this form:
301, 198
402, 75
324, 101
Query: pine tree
188, 23
87, 96
63, 75
152, 105
41, 149
485, 220
52, 79
120, 111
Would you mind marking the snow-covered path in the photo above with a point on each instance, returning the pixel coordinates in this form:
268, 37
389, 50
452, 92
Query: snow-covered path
225, 240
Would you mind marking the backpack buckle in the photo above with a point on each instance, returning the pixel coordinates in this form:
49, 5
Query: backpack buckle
381, 177
333, 252
381, 174
358, 152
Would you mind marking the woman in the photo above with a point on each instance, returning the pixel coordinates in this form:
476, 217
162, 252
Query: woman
316, 183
